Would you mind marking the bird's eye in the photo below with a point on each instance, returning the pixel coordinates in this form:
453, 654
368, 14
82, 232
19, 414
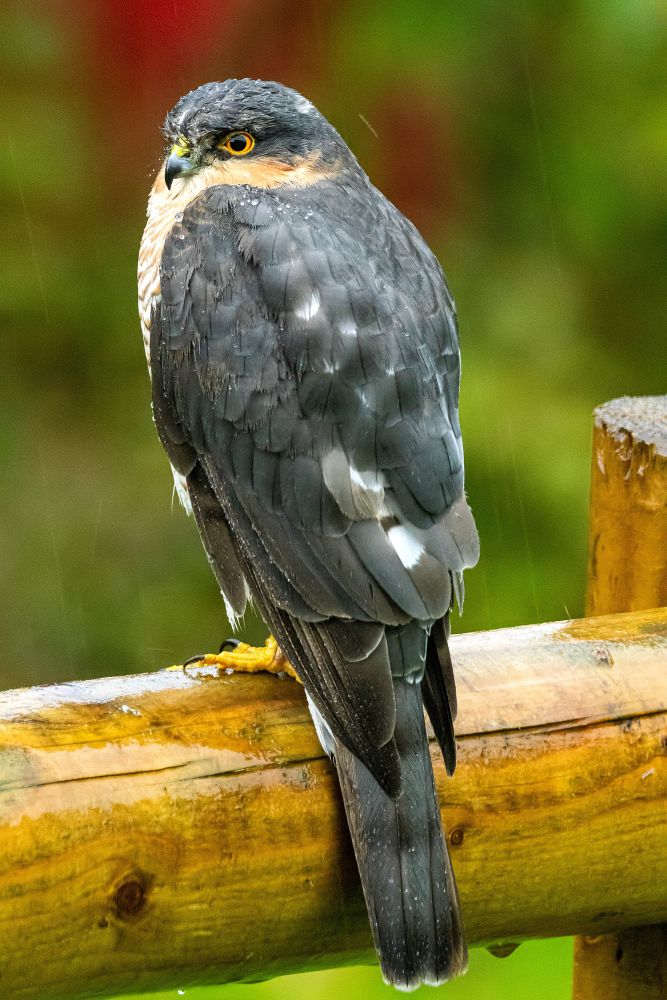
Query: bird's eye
237, 143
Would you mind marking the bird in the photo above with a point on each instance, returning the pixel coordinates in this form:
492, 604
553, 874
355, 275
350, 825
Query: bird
303, 349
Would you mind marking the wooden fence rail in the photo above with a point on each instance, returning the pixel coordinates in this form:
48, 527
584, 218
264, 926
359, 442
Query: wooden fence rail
167, 830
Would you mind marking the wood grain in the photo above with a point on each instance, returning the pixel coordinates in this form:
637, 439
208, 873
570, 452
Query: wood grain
627, 550
623, 966
166, 830
627, 571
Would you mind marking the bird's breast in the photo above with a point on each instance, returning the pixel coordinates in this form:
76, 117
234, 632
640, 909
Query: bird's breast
165, 208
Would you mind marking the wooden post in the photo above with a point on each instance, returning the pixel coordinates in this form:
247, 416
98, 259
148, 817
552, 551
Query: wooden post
627, 551
627, 571
630, 965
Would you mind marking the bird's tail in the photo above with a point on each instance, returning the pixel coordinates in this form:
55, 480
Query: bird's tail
405, 870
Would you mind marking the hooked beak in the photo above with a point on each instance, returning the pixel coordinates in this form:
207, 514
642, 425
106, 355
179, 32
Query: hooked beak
178, 162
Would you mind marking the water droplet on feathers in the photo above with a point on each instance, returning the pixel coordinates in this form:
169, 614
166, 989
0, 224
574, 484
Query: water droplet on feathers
254, 201
178, 217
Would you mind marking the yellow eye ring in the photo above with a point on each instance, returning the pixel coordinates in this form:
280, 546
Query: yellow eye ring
237, 143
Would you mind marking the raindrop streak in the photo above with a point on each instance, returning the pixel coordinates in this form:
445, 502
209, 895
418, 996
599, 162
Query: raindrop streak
548, 201
367, 124
28, 226
484, 456
96, 533
56, 561
522, 514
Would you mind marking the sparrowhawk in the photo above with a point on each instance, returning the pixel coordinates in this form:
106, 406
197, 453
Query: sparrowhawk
304, 356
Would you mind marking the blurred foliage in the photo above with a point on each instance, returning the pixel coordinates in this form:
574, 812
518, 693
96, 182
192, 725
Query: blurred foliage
526, 140
533, 972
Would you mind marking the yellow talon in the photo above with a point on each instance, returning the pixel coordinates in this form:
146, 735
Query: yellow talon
251, 659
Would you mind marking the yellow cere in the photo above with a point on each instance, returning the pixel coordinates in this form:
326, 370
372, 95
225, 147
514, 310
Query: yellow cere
180, 148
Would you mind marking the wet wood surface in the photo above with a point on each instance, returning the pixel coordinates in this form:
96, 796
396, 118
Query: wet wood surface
627, 571
167, 830
627, 550
629, 965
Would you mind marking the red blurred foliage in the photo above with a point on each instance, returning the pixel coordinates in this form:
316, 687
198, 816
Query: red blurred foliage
419, 165
141, 57
138, 58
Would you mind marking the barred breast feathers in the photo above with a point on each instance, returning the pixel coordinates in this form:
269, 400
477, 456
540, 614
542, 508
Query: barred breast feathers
164, 205
167, 205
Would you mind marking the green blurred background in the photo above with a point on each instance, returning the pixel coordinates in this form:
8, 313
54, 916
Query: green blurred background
527, 140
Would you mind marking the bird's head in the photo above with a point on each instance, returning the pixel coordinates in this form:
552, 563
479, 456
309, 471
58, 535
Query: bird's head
251, 132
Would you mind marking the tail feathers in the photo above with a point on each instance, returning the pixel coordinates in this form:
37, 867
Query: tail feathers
439, 691
405, 870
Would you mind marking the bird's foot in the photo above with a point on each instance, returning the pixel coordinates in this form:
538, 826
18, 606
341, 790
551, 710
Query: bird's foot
239, 656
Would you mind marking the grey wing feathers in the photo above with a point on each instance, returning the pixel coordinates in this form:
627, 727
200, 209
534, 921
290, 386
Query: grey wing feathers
217, 540
439, 691
311, 387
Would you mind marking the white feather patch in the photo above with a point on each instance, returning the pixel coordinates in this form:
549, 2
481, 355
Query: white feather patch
303, 106
235, 618
181, 486
369, 480
359, 494
232, 616
324, 734
408, 548
309, 308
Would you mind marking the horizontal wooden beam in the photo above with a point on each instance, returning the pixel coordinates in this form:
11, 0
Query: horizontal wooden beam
166, 830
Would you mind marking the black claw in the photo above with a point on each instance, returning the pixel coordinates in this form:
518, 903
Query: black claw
194, 659
229, 644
